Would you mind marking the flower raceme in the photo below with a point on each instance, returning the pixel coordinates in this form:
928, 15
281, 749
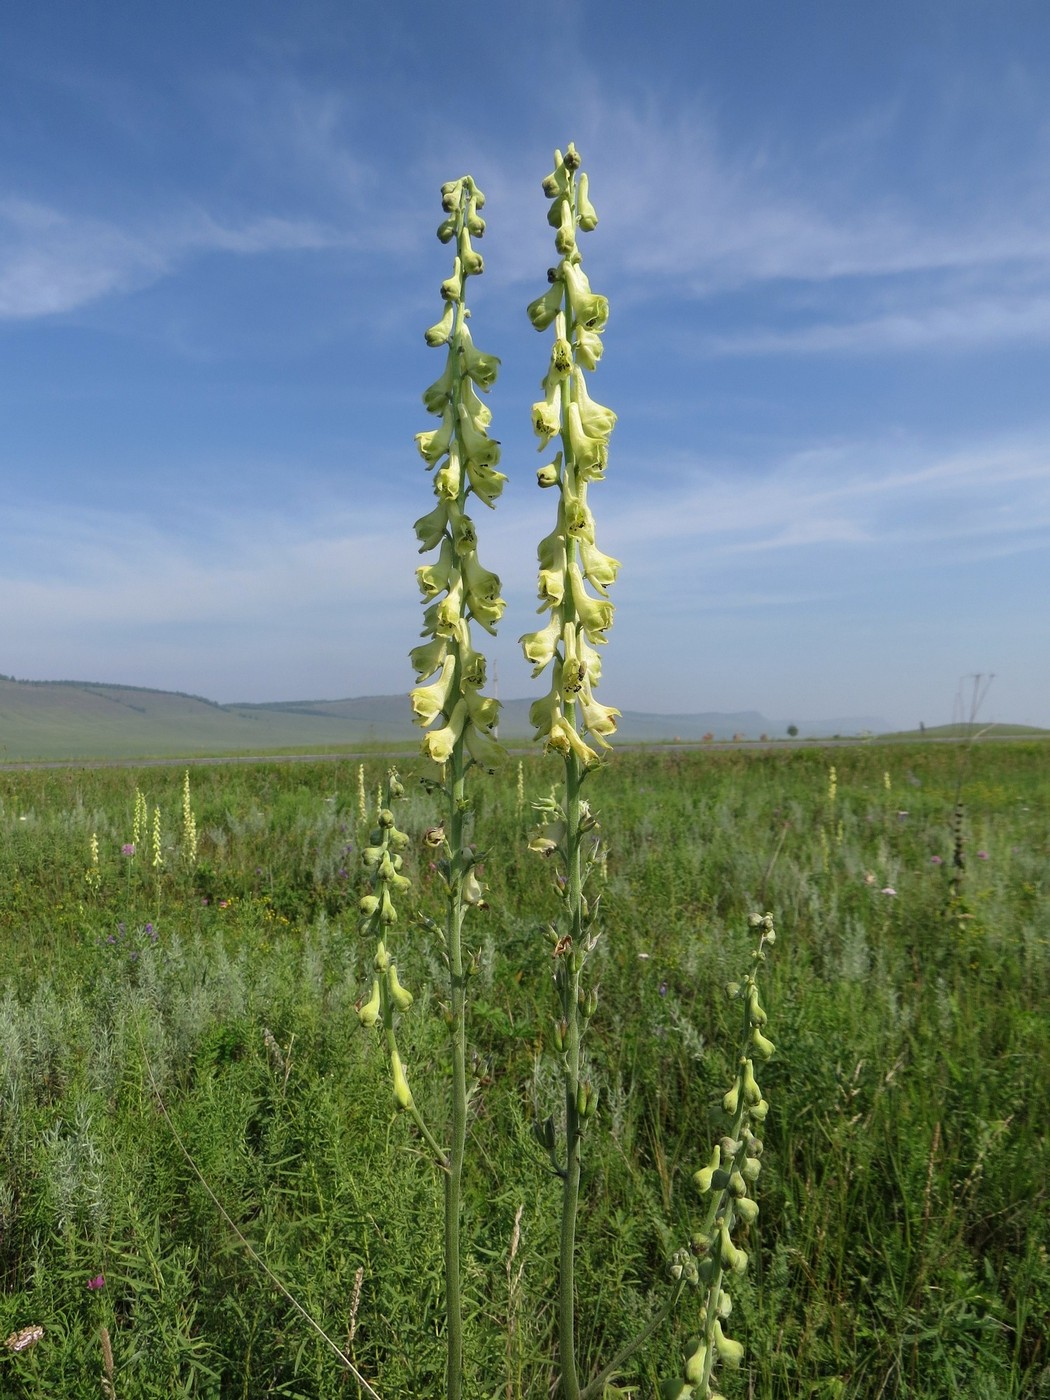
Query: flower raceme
569, 557
457, 589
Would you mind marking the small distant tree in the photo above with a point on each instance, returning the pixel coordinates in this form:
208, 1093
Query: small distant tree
792, 731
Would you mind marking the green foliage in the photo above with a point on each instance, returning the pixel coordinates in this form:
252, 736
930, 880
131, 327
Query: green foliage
902, 1243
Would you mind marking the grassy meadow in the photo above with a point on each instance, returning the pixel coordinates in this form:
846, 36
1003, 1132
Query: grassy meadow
902, 1245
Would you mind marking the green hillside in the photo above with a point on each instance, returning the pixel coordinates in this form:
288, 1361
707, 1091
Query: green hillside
72, 719
54, 720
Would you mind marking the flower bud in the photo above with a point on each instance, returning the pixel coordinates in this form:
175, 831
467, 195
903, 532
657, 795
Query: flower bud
762, 1047
400, 996
402, 1093
452, 287
368, 1014
439, 333
586, 215
543, 310
586, 1099
747, 1209
694, 1366
755, 1012
729, 1351
752, 1093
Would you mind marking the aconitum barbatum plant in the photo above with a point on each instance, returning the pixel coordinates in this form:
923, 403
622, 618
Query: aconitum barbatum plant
457, 591
568, 715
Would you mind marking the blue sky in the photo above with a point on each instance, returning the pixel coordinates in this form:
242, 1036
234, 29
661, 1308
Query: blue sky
825, 238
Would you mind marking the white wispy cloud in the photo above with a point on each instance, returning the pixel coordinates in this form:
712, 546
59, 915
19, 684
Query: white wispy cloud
52, 261
877, 496
718, 217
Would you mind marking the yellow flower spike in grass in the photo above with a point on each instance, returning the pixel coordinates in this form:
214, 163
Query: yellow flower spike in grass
93, 874
158, 857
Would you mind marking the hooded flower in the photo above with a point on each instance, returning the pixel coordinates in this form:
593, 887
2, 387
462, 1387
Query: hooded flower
565, 740
589, 347
543, 310
595, 614
428, 657
486, 483
599, 569
434, 444
439, 743
431, 527
434, 578
589, 310
429, 701
546, 417
480, 367
590, 453
599, 720
539, 647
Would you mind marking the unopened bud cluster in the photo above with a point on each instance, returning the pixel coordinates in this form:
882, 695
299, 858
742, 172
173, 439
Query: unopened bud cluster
569, 557
383, 859
388, 997
727, 1183
456, 588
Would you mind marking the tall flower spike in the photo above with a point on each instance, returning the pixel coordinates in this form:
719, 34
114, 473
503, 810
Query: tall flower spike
569, 560
457, 588
460, 721
569, 557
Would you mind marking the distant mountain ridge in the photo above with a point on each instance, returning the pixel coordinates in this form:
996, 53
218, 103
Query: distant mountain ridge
87, 719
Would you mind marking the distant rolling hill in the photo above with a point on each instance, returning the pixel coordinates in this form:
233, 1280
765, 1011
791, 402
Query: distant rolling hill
81, 719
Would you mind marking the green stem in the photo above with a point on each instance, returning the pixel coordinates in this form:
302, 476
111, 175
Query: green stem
569, 986
457, 1032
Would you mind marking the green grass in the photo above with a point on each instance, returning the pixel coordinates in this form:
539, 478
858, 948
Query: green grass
902, 1244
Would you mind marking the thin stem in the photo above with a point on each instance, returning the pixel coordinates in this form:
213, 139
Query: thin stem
457, 1033
597, 1385
569, 983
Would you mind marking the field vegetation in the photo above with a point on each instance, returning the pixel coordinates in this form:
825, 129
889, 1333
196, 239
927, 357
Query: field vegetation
170, 979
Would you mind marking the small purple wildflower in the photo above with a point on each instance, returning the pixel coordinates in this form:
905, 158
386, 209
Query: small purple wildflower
936, 860
97, 1282
128, 848
982, 855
